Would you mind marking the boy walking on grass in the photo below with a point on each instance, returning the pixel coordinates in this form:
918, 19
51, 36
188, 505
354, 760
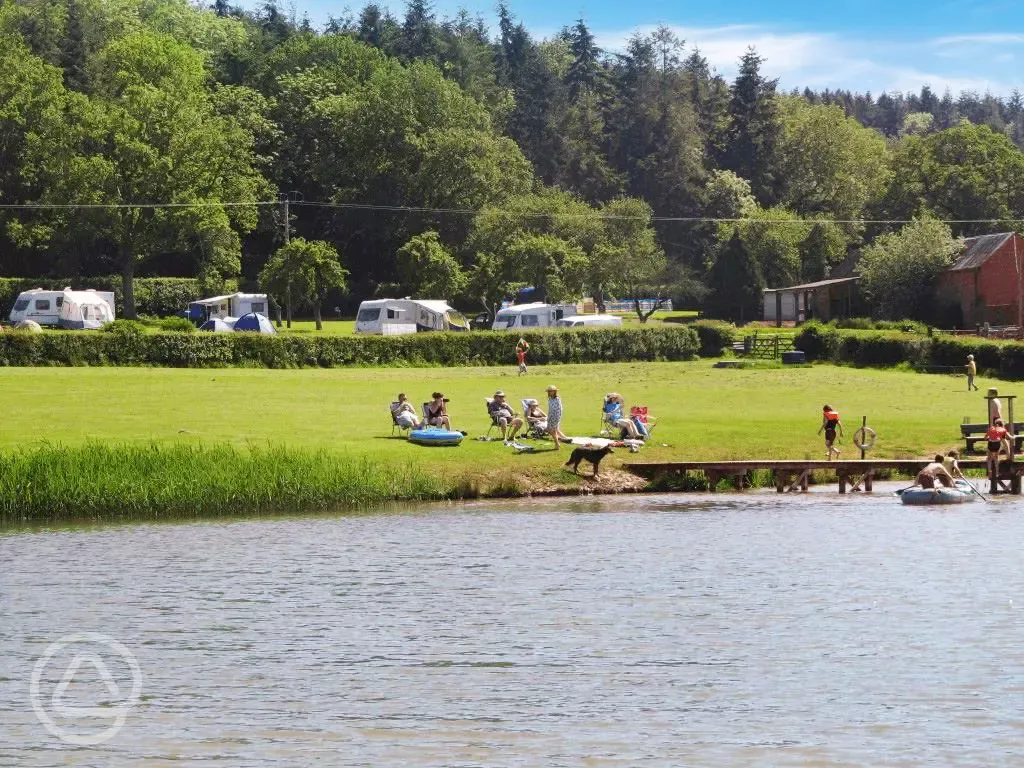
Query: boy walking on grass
522, 347
972, 371
830, 423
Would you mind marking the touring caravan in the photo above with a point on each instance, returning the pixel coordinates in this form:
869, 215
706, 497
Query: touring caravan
43, 306
84, 310
590, 321
231, 305
536, 315
393, 317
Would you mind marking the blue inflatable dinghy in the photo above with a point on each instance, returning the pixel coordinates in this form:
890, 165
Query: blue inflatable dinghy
435, 436
960, 493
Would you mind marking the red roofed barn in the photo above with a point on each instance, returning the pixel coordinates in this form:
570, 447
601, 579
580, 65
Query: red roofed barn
985, 282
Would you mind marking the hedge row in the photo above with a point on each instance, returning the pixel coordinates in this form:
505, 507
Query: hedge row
197, 350
885, 348
159, 296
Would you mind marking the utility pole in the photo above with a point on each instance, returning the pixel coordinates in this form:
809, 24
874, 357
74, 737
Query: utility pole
1020, 288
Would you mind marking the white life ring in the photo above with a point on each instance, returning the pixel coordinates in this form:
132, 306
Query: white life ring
864, 438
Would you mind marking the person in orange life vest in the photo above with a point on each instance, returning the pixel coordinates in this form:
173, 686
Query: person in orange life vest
999, 439
830, 423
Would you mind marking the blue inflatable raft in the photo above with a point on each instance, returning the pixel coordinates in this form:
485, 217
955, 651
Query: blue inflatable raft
435, 436
960, 493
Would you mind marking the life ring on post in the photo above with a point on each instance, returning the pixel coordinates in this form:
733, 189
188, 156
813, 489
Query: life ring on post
864, 438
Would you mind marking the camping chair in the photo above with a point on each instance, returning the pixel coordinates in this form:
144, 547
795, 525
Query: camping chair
402, 429
644, 424
531, 430
608, 418
494, 422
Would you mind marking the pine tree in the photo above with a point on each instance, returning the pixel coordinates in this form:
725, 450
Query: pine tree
814, 255
736, 283
418, 40
73, 54
582, 77
754, 129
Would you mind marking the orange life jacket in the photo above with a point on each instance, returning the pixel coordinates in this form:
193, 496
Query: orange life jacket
832, 416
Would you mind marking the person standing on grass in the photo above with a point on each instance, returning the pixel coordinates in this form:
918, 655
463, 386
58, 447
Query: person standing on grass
555, 416
830, 423
972, 371
522, 347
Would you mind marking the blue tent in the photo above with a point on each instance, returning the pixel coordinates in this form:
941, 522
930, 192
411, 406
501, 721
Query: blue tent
216, 325
255, 322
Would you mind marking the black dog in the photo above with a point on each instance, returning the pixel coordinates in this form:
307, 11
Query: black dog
593, 455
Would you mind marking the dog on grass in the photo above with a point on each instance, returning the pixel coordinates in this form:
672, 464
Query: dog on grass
593, 455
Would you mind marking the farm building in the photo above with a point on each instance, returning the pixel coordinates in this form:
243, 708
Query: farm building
823, 300
984, 285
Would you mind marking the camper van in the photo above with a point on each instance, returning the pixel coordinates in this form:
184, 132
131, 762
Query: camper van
232, 305
44, 306
590, 321
534, 315
392, 317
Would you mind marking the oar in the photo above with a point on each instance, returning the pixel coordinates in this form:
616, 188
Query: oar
901, 490
983, 496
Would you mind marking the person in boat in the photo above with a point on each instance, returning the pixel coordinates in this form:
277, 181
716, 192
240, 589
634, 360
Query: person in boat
933, 472
504, 417
999, 439
951, 462
830, 424
437, 411
404, 413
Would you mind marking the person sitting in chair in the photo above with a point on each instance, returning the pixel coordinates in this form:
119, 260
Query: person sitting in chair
404, 413
504, 417
615, 414
535, 417
437, 411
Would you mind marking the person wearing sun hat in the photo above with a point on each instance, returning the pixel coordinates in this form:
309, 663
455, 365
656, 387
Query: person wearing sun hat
555, 415
972, 371
504, 417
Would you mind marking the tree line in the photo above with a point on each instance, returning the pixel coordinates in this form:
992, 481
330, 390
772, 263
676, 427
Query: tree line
436, 157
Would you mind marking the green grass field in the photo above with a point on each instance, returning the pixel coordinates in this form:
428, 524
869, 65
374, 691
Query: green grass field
702, 412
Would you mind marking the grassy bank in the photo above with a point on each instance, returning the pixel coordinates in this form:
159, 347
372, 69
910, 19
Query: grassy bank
324, 434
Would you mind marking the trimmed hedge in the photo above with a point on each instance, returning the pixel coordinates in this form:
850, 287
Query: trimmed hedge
884, 348
125, 345
159, 296
715, 336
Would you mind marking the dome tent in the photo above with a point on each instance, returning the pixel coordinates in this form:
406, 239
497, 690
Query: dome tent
256, 323
216, 325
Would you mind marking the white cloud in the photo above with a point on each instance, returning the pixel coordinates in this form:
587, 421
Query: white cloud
826, 60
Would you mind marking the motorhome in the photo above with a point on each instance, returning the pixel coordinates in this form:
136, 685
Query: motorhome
535, 315
590, 321
43, 306
393, 317
232, 305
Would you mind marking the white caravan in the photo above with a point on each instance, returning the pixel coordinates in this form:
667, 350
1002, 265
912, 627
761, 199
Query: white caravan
84, 310
536, 315
44, 307
590, 321
232, 305
392, 317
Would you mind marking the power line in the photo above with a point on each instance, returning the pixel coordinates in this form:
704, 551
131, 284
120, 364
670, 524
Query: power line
473, 212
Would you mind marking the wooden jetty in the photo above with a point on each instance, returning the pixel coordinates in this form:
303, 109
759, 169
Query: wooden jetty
794, 474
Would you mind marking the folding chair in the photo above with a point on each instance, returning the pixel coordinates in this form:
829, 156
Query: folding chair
610, 415
531, 430
402, 429
493, 424
644, 424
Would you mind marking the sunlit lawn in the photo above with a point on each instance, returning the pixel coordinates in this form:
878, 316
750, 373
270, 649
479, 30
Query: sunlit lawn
702, 412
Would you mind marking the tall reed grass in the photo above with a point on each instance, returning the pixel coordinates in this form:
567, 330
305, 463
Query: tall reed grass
129, 482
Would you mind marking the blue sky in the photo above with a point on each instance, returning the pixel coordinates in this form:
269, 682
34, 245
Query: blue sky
868, 45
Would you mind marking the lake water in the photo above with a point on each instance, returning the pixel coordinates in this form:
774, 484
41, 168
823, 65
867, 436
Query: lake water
753, 630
